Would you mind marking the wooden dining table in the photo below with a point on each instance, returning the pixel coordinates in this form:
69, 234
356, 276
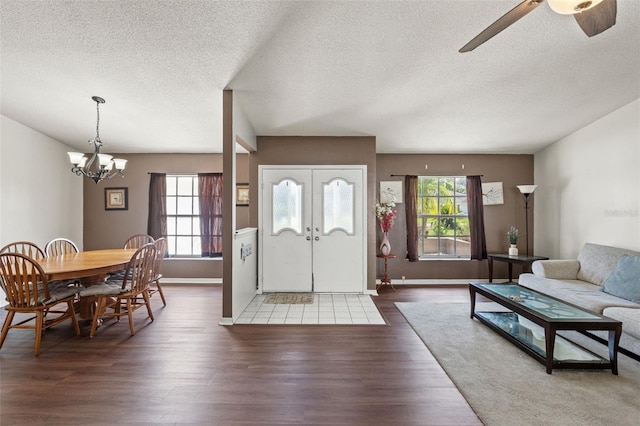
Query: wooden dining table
90, 267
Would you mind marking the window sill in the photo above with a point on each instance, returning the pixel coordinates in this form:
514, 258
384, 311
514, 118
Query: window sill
198, 259
431, 259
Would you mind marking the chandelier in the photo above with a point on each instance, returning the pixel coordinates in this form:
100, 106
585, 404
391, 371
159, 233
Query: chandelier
98, 166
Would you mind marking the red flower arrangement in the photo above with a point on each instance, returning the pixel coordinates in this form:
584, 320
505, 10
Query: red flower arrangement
386, 214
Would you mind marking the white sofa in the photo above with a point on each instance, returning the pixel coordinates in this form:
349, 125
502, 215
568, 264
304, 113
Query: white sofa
581, 281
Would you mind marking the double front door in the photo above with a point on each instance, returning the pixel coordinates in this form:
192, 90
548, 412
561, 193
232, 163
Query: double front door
312, 232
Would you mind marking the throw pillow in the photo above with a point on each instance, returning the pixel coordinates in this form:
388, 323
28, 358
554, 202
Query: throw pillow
624, 282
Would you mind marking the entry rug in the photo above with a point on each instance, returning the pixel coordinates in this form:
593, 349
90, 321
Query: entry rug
505, 386
288, 298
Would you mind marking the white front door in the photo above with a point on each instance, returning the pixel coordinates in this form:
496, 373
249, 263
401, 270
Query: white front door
312, 229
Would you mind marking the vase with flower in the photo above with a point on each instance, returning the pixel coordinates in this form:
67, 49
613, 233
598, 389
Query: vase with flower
513, 235
385, 213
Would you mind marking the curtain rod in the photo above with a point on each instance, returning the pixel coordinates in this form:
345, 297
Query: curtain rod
415, 175
182, 174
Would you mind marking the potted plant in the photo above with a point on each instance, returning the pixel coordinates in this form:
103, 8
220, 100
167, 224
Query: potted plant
513, 235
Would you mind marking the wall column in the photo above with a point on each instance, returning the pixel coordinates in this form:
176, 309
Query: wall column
229, 205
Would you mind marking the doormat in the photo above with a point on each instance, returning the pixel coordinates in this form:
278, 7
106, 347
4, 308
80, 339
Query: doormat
288, 298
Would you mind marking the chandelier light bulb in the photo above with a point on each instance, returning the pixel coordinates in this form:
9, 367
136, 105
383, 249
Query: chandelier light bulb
570, 7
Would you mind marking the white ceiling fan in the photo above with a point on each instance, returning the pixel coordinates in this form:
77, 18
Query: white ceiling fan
593, 16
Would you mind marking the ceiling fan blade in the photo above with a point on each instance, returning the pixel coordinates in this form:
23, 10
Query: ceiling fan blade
507, 19
597, 19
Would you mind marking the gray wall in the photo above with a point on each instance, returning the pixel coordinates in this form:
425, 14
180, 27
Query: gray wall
589, 187
40, 198
511, 170
109, 229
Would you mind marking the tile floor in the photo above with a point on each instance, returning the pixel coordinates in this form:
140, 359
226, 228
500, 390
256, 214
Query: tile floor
325, 309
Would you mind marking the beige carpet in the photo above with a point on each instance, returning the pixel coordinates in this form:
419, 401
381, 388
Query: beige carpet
505, 386
289, 298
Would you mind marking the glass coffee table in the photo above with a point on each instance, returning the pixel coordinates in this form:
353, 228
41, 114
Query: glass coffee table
534, 319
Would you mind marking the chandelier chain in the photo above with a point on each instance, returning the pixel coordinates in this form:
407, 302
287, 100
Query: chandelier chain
98, 121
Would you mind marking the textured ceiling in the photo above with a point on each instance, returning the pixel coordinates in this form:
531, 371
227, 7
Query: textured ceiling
389, 69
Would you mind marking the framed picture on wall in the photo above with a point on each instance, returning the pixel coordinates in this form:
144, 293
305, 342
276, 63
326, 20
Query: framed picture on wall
116, 198
492, 193
391, 190
242, 194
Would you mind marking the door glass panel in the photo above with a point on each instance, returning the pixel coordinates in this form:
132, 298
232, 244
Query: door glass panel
287, 207
338, 207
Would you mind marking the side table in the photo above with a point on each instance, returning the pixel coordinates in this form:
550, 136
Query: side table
385, 280
520, 259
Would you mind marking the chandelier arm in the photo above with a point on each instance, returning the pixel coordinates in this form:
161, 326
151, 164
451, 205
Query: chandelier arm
92, 159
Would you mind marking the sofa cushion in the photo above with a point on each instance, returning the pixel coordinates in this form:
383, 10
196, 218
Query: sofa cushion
597, 262
581, 293
630, 319
625, 280
558, 269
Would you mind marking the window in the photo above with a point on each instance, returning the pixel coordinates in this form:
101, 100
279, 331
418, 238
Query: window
183, 220
443, 221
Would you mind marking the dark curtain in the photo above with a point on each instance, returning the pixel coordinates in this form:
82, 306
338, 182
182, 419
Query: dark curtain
410, 201
210, 196
157, 221
476, 218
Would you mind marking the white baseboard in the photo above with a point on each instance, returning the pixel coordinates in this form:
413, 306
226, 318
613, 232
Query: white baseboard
437, 281
395, 282
226, 321
191, 281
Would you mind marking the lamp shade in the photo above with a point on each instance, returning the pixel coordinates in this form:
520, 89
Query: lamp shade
75, 157
527, 189
120, 163
570, 7
104, 159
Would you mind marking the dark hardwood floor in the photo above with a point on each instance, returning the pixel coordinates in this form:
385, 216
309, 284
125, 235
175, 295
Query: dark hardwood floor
186, 369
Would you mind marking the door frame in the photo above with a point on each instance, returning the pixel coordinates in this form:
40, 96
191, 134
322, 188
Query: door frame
362, 168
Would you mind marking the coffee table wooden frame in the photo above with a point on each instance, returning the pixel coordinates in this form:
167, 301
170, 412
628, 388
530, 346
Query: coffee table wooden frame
551, 326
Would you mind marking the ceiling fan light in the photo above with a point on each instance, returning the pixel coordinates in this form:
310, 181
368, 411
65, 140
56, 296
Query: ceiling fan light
570, 7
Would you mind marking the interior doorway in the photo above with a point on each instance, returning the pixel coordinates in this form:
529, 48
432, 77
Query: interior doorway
312, 236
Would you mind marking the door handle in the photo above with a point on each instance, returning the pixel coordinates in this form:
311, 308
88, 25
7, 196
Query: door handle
317, 238
308, 238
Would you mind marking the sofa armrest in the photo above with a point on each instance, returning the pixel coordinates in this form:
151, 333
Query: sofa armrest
558, 269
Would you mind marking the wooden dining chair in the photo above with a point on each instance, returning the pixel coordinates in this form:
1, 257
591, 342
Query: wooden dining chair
116, 298
60, 246
161, 251
138, 240
133, 242
24, 247
29, 292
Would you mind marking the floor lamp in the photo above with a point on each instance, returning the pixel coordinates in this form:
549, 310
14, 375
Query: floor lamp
526, 191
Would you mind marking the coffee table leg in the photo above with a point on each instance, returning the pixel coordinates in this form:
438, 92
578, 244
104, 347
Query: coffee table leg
490, 260
614, 340
472, 294
550, 342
